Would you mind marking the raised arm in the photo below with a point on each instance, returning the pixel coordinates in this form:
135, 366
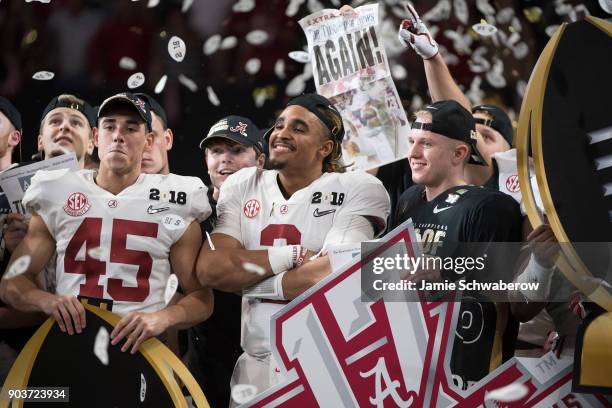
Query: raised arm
414, 33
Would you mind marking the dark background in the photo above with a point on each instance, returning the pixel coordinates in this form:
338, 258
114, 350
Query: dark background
82, 42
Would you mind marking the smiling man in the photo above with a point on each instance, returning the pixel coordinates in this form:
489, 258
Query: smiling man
446, 211
111, 247
277, 219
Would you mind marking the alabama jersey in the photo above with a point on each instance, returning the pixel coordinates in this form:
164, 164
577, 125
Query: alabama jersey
253, 210
115, 248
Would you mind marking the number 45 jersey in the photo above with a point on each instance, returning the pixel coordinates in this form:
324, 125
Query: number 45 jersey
253, 210
116, 247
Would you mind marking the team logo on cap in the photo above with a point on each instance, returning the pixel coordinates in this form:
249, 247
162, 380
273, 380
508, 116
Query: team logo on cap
141, 104
240, 128
77, 204
251, 208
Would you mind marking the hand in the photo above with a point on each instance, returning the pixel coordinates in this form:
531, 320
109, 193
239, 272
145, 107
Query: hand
347, 10
138, 327
413, 32
15, 231
544, 245
69, 313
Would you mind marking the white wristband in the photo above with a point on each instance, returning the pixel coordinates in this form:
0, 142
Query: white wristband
282, 258
535, 272
270, 288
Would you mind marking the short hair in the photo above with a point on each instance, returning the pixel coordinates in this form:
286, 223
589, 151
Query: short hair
68, 98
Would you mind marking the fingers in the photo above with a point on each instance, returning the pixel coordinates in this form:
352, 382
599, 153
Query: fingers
65, 318
347, 10
411, 14
75, 315
125, 326
14, 217
69, 314
541, 233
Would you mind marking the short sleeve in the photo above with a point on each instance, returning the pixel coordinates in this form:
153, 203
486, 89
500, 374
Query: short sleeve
37, 198
366, 198
200, 206
229, 204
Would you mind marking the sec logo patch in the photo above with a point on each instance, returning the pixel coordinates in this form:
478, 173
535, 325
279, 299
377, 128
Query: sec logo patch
77, 204
512, 184
251, 208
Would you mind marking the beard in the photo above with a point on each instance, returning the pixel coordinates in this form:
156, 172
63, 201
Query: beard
276, 165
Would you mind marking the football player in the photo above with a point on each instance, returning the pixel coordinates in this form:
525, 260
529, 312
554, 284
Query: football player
155, 158
279, 219
118, 235
445, 211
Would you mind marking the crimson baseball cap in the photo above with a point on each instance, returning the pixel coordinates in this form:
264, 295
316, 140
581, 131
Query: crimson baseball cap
499, 120
237, 129
140, 105
452, 120
11, 112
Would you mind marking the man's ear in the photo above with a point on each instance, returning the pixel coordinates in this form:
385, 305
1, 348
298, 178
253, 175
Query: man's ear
461, 152
326, 148
261, 161
94, 139
168, 138
40, 143
149, 139
14, 138
90, 143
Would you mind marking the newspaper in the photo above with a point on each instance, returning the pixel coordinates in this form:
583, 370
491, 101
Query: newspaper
350, 68
15, 181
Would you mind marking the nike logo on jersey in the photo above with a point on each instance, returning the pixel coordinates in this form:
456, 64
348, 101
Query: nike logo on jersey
438, 210
152, 210
318, 213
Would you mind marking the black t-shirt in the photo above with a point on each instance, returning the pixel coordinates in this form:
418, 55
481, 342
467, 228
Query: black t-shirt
465, 214
397, 178
214, 345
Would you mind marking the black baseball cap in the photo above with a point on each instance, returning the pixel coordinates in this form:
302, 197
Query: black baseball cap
155, 107
314, 103
449, 118
130, 100
11, 112
68, 101
237, 129
499, 120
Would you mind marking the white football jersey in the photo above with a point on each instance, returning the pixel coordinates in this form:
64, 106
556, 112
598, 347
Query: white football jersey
253, 210
116, 247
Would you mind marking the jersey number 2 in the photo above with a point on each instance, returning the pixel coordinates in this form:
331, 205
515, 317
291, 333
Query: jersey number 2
89, 233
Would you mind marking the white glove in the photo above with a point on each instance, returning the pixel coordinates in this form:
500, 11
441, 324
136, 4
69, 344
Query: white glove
413, 32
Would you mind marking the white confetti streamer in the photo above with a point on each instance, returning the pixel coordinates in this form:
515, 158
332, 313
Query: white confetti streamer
243, 393
606, 5
188, 82
143, 388
101, 345
293, 7
243, 6
212, 96
212, 44
299, 56
509, 393
177, 48
18, 267
96, 253
296, 86
152, 3
171, 287
136, 80
257, 37
441, 11
279, 69
127, 63
253, 268
210, 241
161, 84
43, 75
484, 29
186, 5
461, 11
229, 42
252, 66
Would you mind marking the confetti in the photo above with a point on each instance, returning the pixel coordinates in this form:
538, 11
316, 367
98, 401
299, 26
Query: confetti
398, 71
243, 393
229, 42
484, 29
299, 56
521, 87
550, 30
439, 12
43, 75
484, 7
243, 6
606, 5
173, 222
176, 48
504, 16
18, 267
101, 345
533, 14
478, 63
475, 94
509, 393
314, 6
252, 66
293, 7
171, 287
152, 3
186, 5
307, 71
127, 63
136, 80
210, 242
253, 268
188, 82
520, 51
461, 11
495, 75
461, 42
161, 84
279, 69
212, 96
212, 44
143, 388
257, 37
40, 1
96, 253
296, 86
